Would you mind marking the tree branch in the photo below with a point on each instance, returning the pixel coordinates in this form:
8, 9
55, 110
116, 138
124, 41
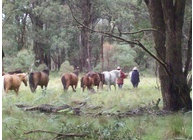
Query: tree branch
144, 30
58, 134
134, 42
7, 19
163, 64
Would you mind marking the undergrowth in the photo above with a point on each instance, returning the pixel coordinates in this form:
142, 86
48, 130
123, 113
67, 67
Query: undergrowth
17, 122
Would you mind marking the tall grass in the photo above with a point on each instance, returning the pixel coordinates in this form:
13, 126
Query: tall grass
15, 121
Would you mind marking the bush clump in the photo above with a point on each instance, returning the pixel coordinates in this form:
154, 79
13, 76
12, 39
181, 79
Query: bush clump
65, 68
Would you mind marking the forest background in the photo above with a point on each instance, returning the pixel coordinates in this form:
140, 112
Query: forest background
44, 32
53, 32
39, 33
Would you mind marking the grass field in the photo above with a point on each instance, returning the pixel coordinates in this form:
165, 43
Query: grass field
17, 122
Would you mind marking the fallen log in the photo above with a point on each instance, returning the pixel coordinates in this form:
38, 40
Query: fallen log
150, 109
47, 108
58, 135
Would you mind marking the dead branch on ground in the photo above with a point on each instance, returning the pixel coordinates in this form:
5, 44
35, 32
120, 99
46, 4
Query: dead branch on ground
58, 135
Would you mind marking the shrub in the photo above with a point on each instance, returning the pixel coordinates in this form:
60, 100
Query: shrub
66, 68
22, 61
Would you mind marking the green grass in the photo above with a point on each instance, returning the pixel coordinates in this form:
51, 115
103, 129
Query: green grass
15, 121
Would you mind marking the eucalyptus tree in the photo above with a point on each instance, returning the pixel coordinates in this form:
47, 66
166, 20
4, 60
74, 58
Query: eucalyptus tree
49, 20
110, 16
41, 26
125, 18
88, 13
21, 26
14, 26
168, 18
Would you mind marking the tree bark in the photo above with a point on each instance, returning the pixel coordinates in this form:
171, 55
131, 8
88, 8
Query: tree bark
101, 52
167, 17
20, 37
41, 49
189, 52
85, 34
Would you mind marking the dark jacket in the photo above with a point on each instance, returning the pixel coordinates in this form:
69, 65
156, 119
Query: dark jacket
135, 77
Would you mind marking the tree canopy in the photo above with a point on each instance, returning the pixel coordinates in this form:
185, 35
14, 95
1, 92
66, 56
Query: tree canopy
47, 27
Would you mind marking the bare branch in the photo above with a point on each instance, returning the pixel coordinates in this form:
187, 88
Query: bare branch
58, 134
7, 19
143, 30
134, 42
163, 64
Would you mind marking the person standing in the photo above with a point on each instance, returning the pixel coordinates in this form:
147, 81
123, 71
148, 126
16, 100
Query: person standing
120, 81
135, 77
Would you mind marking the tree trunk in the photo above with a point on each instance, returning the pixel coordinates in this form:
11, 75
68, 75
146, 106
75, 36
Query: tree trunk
101, 52
38, 46
47, 59
167, 17
41, 49
20, 37
85, 34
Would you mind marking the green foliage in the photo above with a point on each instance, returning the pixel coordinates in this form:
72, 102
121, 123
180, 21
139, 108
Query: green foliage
60, 30
58, 43
40, 67
22, 61
124, 56
119, 55
65, 68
